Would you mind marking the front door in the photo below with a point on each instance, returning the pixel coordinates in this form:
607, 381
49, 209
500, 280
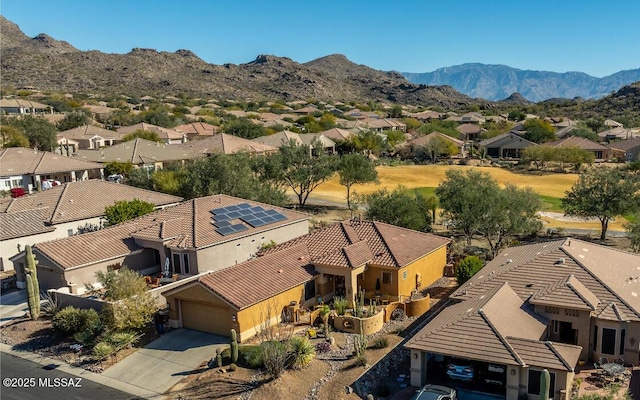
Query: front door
568, 335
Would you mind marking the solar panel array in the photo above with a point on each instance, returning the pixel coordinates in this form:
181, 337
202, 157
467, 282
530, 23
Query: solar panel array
253, 215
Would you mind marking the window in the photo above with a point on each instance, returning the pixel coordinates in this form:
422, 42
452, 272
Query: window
556, 326
185, 263
386, 277
608, 341
622, 337
176, 263
404, 274
309, 290
595, 338
534, 383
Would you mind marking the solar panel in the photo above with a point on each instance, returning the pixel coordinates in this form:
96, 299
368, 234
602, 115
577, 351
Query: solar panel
244, 206
271, 212
222, 217
244, 212
239, 227
260, 214
233, 214
220, 210
268, 219
279, 217
232, 208
222, 224
254, 222
227, 230
257, 209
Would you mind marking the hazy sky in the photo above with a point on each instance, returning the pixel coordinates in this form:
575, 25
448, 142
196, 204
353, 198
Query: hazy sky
596, 37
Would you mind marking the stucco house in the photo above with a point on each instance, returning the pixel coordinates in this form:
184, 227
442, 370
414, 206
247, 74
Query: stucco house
20, 106
626, 150
167, 135
188, 235
339, 260
600, 152
27, 168
63, 211
507, 145
224, 143
544, 305
88, 137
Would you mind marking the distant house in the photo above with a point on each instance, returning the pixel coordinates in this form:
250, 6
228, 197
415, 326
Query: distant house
197, 130
340, 260
609, 123
28, 169
328, 145
422, 141
224, 143
279, 139
426, 115
539, 306
600, 152
169, 136
507, 145
187, 235
472, 118
63, 211
337, 134
469, 131
626, 150
19, 106
88, 137
618, 133
141, 153
382, 124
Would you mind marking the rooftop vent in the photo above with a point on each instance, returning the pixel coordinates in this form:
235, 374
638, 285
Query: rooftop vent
560, 261
530, 285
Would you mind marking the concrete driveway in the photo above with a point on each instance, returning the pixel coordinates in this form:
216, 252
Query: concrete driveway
13, 305
165, 361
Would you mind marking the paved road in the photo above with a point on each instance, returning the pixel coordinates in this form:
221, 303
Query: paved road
13, 305
44, 380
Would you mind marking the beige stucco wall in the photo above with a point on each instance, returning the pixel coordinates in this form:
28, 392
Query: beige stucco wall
580, 320
236, 251
563, 381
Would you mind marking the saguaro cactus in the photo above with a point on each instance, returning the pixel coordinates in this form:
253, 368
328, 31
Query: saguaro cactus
545, 381
234, 346
219, 357
33, 287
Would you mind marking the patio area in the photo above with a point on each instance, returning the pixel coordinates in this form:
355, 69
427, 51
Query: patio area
591, 382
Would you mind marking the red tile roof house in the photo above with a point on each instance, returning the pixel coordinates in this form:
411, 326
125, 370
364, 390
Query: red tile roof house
184, 234
63, 211
339, 260
28, 168
545, 305
600, 152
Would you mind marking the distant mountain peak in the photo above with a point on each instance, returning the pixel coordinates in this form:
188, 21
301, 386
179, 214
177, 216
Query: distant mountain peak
495, 82
516, 98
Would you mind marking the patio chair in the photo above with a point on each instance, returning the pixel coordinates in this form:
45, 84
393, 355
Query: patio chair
619, 361
598, 369
603, 360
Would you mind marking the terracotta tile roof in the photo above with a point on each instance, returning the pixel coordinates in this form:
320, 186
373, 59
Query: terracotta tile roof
14, 103
567, 292
346, 243
225, 144
138, 151
186, 225
579, 142
75, 201
613, 313
89, 131
23, 223
496, 326
423, 140
608, 274
22, 161
625, 145
337, 134
503, 139
468, 128
278, 139
198, 128
277, 272
163, 133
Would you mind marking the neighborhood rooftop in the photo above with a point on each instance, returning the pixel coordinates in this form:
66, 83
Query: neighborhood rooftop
23, 161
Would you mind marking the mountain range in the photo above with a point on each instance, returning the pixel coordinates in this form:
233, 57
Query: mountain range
53, 65
497, 82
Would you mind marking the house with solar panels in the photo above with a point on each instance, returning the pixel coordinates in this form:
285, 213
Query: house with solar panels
194, 237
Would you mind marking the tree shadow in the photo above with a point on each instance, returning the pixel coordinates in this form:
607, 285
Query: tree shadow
221, 387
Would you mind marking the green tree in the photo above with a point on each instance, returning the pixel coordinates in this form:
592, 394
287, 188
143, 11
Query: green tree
400, 207
512, 211
167, 181
603, 193
354, 169
244, 128
142, 134
74, 119
439, 147
538, 155
129, 304
539, 130
464, 197
595, 124
395, 137
127, 209
117, 167
396, 112
40, 132
302, 171
468, 267
368, 142
12, 137
516, 115
633, 232
327, 121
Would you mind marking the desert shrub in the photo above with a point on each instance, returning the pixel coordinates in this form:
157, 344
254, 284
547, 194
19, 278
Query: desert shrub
50, 305
323, 347
381, 342
468, 267
312, 333
301, 352
252, 356
71, 320
233, 367
340, 304
275, 357
360, 360
120, 340
102, 350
